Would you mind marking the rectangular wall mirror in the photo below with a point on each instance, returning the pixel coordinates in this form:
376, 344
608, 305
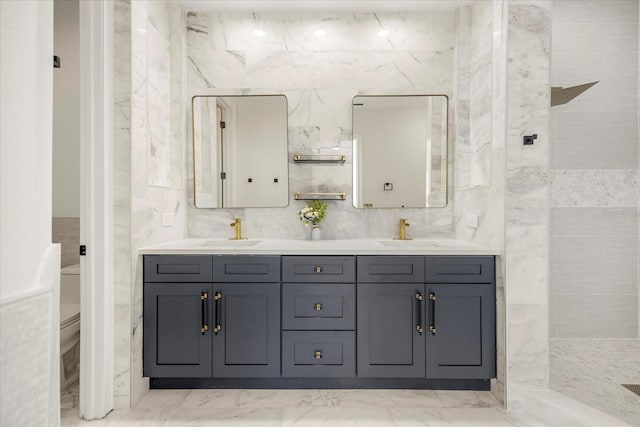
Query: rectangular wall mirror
400, 151
240, 151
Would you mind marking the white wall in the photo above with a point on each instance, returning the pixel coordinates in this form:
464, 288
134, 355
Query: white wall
25, 156
29, 263
66, 110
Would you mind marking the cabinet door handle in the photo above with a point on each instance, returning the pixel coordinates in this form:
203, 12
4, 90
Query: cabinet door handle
318, 306
318, 354
204, 314
432, 300
419, 300
318, 269
217, 297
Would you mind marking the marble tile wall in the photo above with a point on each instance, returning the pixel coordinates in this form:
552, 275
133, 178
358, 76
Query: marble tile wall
319, 76
527, 196
511, 202
594, 172
122, 202
485, 198
149, 165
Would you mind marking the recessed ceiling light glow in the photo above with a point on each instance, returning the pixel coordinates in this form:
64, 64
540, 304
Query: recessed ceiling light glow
259, 33
383, 33
320, 33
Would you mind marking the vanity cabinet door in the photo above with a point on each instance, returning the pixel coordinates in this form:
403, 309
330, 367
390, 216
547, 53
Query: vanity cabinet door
462, 342
246, 330
389, 341
177, 339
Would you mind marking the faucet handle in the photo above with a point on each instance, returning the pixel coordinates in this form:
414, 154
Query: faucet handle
235, 222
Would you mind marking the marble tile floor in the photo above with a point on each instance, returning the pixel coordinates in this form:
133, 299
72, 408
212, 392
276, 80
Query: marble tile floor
384, 408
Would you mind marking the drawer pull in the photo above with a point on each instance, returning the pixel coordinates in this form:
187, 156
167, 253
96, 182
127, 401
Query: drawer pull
318, 354
318, 306
318, 269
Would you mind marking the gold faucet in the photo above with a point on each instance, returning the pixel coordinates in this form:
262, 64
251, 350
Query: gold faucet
403, 230
238, 225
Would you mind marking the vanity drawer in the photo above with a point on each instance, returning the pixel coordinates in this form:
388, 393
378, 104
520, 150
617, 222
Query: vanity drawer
319, 269
391, 269
178, 268
321, 306
246, 268
460, 269
318, 354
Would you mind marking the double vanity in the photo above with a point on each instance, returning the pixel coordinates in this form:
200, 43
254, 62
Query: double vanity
319, 314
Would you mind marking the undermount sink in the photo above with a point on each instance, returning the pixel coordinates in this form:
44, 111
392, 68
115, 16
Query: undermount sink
408, 243
229, 243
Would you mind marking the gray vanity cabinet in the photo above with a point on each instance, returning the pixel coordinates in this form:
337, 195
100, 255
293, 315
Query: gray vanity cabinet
318, 317
177, 341
246, 325
460, 330
424, 328
390, 316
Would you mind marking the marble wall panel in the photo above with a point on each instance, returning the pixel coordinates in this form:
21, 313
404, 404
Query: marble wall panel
157, 180
482, 21
122, 202
527, 197
480, 88
320, 79
344, 32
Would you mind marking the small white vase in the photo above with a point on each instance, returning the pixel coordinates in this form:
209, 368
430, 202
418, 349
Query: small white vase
316, 232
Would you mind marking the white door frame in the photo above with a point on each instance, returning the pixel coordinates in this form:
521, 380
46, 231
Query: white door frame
96, 209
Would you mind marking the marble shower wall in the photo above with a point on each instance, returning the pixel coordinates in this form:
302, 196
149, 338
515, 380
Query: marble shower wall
594, 171
511, 199
484, 65
527, 196
150, 162
594, 206
320, 76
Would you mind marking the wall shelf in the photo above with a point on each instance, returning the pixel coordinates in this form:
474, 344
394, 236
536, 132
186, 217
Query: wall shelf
319, 196
319, 158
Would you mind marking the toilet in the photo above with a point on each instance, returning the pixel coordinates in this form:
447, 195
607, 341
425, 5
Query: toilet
69, 325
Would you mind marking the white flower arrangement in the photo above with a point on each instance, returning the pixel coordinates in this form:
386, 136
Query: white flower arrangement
313, 213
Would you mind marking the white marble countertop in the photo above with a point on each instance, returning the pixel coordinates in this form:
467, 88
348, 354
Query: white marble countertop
319, 247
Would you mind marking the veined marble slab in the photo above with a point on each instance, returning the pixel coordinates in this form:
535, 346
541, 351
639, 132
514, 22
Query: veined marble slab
319, 247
